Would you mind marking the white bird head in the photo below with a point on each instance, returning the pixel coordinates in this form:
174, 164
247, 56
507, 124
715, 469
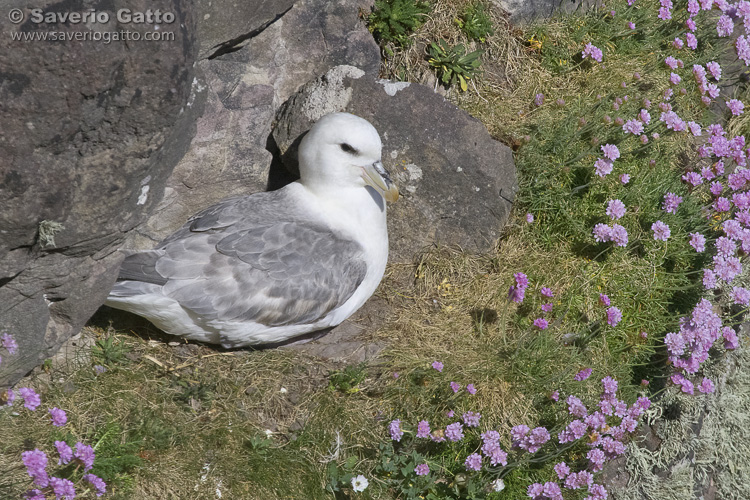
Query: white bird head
342, 151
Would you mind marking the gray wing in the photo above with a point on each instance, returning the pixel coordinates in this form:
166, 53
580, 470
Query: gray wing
286, 273
241, 260
141, 266
242, 212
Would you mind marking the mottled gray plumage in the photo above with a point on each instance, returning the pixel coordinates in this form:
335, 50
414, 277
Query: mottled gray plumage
244, 248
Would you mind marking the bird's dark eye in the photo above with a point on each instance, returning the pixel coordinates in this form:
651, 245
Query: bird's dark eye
347, 148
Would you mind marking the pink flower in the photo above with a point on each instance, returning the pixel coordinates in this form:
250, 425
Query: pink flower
685, 384
58, 417
671, 62
395, 429
615, 209
633, 127
671, 202
66, 454
724, 26
625, 178
471, 419
730, 338
610, 385
610, 151
422, 470
741, 295
714, 68
692, 41
562, 470
454, 432
36, 464
471, 389
673, 121
597, 491
603, 167
593, 52
437, 365
614, 316
575, 430
596, 459
423, 429
96, 482
541, 323
9, 343
707, 386
576, 407
735, 106
455, 386
31, 399
529, 218
674, 79
602, 233
619, 235
583, 374
742, 46
578, 480
661, 231
63, 488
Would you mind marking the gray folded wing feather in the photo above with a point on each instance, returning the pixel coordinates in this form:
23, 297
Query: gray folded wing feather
280, 274
249, 259
141, 266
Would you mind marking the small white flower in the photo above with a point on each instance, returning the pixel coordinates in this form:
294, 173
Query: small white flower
282, 390
359, 483
269, 433
498, 485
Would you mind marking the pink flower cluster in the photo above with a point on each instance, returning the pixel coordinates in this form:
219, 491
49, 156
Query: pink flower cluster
615, 233
593, 52
36, 467
527, 439
517, 292
671, 203
491, 448
615, 209
36, 460
606, 440
688, 348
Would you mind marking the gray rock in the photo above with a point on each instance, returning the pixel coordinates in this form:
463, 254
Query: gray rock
224, 24
90, 132
526, 11
457, 183
245, 80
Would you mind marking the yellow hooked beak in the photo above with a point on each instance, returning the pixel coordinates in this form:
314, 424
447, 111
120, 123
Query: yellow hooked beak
376, 176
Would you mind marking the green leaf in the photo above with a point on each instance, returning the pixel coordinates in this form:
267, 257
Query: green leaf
464, 87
